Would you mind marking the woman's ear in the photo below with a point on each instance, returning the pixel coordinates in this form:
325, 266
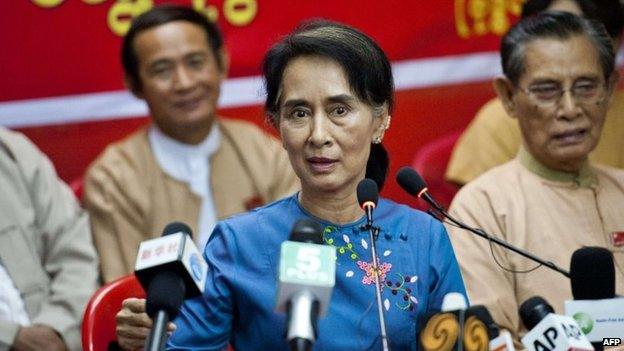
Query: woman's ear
380, 130
506, 91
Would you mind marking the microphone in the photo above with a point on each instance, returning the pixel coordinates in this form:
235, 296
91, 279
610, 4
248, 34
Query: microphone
413, 184
592, 274
307, 273
549, 331
455, 327
482, 333
368, 195
170, 268
597, 310
499, 340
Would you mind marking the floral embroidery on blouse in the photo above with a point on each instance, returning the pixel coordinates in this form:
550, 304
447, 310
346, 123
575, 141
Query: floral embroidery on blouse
382, 269
401, 289
347, 248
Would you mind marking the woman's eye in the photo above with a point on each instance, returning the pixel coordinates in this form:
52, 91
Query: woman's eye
340, 111
299, 113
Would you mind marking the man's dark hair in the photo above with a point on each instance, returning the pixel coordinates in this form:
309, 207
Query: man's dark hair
365, 64
160, 15
609, 12
553, 25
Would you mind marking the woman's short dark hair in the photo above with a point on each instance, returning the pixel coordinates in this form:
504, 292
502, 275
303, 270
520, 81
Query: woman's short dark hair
365, 64
553, 25
160, 15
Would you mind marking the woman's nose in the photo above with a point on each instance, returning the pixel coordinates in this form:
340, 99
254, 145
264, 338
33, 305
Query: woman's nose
320, 130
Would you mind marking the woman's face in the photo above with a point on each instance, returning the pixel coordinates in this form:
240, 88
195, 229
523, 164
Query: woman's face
325, 128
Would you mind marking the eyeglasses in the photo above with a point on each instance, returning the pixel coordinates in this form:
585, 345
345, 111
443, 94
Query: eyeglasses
549, 94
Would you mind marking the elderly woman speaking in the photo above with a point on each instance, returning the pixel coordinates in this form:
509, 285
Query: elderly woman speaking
329, 93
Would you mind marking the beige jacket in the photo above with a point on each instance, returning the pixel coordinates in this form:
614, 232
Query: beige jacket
131, 199
550, 214
45, 242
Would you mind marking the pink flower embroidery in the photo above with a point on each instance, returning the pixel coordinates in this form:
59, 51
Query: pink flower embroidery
369, 278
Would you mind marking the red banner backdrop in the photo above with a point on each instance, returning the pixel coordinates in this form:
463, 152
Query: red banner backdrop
61, 48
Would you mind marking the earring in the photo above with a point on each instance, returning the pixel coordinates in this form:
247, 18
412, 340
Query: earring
377, 140
388, 123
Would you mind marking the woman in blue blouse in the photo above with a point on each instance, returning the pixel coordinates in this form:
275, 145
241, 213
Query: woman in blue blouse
329, 93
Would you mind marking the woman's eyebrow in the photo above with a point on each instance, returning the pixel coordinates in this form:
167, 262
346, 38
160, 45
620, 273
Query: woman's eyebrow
344, 98
294, 102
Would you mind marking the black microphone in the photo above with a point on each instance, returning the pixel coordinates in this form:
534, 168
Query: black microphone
413, 184
368, 195
592, 274
170, 269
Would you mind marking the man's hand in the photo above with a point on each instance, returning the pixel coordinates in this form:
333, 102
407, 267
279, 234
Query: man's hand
133, 324
38, 338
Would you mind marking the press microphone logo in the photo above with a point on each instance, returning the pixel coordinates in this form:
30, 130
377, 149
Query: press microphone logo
585, 322
549, 338
308, 264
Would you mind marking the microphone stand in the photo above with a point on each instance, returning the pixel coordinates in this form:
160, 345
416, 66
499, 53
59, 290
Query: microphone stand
373, 232
480, 232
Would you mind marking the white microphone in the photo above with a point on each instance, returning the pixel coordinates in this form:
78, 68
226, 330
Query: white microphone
307, 274
549, 331
170, 269
175, 251
503, 342
596, 309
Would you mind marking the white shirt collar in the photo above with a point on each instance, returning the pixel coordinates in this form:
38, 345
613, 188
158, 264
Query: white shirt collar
184, 162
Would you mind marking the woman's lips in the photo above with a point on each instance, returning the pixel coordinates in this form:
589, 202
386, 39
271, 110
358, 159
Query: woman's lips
321, 164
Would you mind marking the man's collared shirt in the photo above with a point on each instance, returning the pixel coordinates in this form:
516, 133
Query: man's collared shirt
190, 164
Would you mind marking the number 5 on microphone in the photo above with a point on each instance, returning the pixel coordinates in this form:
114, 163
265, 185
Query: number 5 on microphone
307, 263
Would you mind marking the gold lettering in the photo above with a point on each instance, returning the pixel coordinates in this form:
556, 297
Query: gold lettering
93, 2
120, 15
240, 12
481, 17
47, 3
209, 11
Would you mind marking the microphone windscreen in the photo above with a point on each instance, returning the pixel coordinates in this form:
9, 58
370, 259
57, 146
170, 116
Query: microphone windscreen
592, 274
367, 191
533, 310
482, 313
177, 227
165, 292
410, 181
307, 231
454, 301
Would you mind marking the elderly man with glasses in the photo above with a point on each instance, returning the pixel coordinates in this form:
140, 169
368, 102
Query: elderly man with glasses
558, 82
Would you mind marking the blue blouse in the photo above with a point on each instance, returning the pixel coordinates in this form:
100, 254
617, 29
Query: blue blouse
417, 268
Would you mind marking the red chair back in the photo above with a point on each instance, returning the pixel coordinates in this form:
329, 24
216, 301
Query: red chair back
77, 186
98, 324
431, 161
